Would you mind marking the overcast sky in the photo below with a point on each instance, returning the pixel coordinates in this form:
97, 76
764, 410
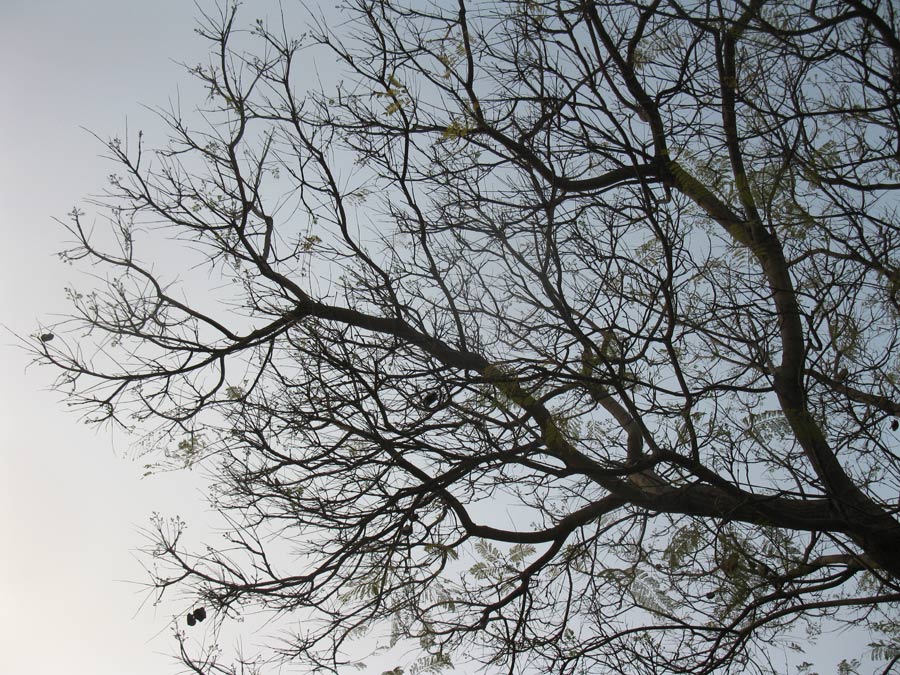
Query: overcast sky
72, 500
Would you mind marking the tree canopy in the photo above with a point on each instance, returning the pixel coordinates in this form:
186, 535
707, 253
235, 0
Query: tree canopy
547, 335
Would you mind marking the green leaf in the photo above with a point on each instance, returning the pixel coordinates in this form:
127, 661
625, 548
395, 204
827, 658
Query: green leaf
685, 542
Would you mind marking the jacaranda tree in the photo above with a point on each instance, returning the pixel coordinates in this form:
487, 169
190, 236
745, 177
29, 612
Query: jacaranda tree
547, 335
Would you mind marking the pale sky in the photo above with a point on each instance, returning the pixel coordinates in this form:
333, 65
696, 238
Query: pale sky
72, 500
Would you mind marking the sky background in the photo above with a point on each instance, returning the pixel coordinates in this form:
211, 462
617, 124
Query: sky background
72, 499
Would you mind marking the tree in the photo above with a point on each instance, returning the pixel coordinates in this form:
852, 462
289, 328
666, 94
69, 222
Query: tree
559, 336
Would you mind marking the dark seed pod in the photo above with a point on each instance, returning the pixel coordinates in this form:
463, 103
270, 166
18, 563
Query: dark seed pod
895, 424
46, 337
191, 620
200, 613
406, 530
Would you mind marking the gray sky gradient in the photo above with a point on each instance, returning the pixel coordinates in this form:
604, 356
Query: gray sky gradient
71, 499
